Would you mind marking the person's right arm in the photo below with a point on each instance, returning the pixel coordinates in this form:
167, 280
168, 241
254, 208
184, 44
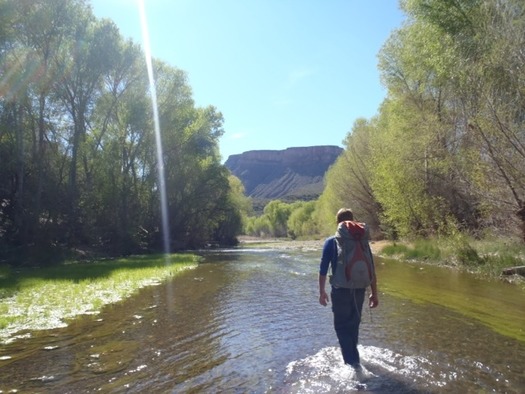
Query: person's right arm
323, 295
326, 258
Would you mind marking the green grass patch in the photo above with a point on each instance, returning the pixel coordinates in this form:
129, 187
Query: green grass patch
426, 250
494, 256
420, 250
40, 298
487, 257
395, 250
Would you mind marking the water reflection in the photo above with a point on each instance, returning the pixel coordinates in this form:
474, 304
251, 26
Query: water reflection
493, 303
249, 321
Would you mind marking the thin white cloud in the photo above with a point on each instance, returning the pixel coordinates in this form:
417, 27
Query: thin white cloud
238, 136
294, 77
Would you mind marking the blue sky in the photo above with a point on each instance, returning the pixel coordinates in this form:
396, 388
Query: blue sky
284, 73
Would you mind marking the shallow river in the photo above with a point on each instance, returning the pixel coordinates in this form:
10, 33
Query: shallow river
248, 321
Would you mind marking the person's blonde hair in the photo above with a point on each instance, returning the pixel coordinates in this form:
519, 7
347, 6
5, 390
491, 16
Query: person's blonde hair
344, 214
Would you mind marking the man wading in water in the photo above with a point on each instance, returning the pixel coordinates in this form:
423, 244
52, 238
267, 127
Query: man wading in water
349, 251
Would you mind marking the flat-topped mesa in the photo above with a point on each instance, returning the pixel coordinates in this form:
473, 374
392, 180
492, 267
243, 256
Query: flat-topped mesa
321, 154
274, 174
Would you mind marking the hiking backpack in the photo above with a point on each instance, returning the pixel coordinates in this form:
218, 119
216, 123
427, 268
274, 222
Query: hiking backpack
354, 268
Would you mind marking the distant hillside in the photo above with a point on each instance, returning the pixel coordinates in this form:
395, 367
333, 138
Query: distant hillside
289, 174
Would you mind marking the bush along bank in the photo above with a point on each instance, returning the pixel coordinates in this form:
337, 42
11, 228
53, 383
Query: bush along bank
491, 258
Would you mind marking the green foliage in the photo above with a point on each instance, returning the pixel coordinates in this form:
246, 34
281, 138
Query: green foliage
327, 207
491, 255
426, 249
395, 250
258, 226
301, 222
236, 209
281, 219
467, 255
487, 257
79, 163
348, 181
79, 166
278, 213
421, 250
407, 165
448, 131
239, 199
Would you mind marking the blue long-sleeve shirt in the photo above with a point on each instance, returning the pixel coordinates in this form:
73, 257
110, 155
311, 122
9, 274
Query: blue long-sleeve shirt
329, 256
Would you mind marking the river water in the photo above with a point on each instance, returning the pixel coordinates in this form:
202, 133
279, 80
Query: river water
248, 321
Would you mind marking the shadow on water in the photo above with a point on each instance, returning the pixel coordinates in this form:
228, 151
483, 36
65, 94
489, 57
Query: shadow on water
249, 321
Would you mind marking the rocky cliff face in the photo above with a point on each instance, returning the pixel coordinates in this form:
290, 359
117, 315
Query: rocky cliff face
295, 173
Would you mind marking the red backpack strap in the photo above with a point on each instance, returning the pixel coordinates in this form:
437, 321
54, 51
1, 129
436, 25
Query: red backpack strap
357, 229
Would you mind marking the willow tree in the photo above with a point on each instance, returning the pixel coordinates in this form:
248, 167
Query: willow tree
426, 149
34, 33
232, 212
42, 28
117, 153
196, 183
84, 60
405, 171
397, 169
347, 182
301, 220
77, 142
486, 40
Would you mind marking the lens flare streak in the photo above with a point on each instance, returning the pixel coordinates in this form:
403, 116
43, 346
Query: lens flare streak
158, 139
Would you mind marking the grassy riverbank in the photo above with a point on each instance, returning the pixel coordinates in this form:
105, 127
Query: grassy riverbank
43, 298
486, 258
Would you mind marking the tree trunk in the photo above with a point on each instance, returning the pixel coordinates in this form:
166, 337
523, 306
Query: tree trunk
521, 216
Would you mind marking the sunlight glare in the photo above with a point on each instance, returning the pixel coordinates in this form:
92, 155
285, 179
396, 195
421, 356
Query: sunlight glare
160, 156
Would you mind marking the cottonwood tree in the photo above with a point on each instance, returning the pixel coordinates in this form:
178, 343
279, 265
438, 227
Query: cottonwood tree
84, 61
486, 46
117, 154
301, 221
348, 181
77, 142
35, 31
